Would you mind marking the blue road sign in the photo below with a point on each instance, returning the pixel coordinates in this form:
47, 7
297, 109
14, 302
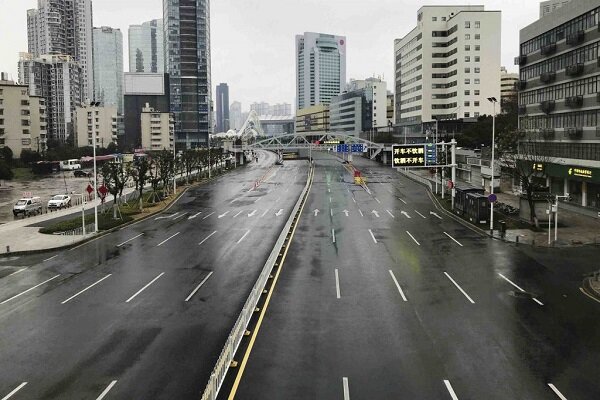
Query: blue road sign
431, 154
357, 148
492, 198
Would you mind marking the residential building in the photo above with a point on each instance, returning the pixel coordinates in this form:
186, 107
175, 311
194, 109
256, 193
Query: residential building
187, 29
101, 121
261, 108
146, 47
142, 90
56, 78
446, 68
108, 67
222, 107
548, 7
559, 104
276, 125
508, 81
314, 119
320, 68
281, 109
235, 115
390, 108
64, 27
22, 118
361, 108
157, 129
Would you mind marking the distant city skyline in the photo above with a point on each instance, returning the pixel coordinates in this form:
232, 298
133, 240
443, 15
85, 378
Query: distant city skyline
236, 31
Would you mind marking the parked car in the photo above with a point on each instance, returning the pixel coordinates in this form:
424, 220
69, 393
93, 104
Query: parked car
81, 174
59, 201
27, 206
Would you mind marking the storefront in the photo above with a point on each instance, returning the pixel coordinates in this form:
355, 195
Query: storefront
582, 183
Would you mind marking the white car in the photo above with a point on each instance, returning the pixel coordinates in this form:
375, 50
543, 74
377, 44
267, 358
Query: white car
59, 201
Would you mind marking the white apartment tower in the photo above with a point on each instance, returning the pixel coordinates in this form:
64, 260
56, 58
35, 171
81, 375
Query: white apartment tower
447, 66
320, 68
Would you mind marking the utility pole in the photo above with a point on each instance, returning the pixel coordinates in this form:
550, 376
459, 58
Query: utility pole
493, 101
95, 186
453, 147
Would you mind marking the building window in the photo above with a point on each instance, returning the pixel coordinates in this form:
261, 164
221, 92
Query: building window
467, 115
467, 36
467, 47
477, 47
443, 18
477, 81
467, 103
467, 81
467, 92
477, 36
434, 19
477, 24
476, 93
467, 24
467, 70
477, 115
476, 104
477, 58
477, 70
467, 58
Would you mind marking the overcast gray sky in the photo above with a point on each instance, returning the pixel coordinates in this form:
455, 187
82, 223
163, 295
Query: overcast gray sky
253, 40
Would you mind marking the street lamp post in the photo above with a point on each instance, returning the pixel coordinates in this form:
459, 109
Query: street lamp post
174, 169
493, 101
209, 155
95, 186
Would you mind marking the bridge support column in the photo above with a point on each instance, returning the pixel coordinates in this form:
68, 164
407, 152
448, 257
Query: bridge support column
384, 158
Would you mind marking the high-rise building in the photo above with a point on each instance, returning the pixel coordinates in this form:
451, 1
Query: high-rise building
320, 68
235, 115
22, 118
108, 67
146, 47
56, 78
281, 109
447, 67
548, 7
187, 30
508, 81
99, 121
559, 105
261, 108
222, 107
64, 27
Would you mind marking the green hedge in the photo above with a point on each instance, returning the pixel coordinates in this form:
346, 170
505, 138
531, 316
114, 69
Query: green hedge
105, 222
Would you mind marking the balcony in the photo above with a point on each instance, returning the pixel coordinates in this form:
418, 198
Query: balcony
548, 49
548, 106
520, 85
574, 133
521, 60
547, 133
574, 70
548, 77
522, 109
574, 101
576, 38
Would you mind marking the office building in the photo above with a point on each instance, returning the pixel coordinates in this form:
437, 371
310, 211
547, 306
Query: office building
548, 7
508, 81
64, 27
222, 107
22, 118
108, 67
157, 129
187, 29
146, 47
281, 109
313, 120
361, 108
56, 78
235, 115
320, 68
101, 121
142, 90
446, 67
559, 104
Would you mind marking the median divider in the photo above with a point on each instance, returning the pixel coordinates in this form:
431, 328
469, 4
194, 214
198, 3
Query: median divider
239, 330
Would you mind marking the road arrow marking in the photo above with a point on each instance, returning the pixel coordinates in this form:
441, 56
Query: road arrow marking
252, 213
346, 212
195, 215
278, 213
316, 211
391, 215
405, 214
376, 213
434, 214
222, 215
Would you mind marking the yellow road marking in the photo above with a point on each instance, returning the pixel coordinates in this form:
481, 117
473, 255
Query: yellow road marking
240, 373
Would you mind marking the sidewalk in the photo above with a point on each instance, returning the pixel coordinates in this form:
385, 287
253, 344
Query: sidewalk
573, 229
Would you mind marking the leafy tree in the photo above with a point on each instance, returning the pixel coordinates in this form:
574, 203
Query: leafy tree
29, 156
115, 178
138, 171
5, 170
6, 154
111, 148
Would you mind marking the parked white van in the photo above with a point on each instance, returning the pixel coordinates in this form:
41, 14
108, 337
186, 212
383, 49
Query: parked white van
70, 165
28, 206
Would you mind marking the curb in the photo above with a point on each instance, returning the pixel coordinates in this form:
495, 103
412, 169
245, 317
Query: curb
587, 288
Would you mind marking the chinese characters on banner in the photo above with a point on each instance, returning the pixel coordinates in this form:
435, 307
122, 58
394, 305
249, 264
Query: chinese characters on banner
408, 156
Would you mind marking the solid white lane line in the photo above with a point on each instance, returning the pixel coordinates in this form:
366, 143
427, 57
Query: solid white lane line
51, 258
30, 289
206, 238
391, 215
144, 288
208, 215
402, 200
457, 242
346, 388
199, 286
337, 283
398, 286
15, 390
243, 237
167, 239
105, 392
511, 282
537, 301
377, 200
413, 238
422, 216
84, 290
360, 211
333, 235
265, 213
557, 392
17, 271
450, 390
238, 214
127, 241
459, 288
372, 236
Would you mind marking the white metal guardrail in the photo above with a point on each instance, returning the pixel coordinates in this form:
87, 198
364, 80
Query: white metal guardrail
237, 333
417, 178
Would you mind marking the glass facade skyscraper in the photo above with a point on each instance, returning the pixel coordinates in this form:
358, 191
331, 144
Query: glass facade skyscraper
222, 107
108, 67
146, 47
187, 40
